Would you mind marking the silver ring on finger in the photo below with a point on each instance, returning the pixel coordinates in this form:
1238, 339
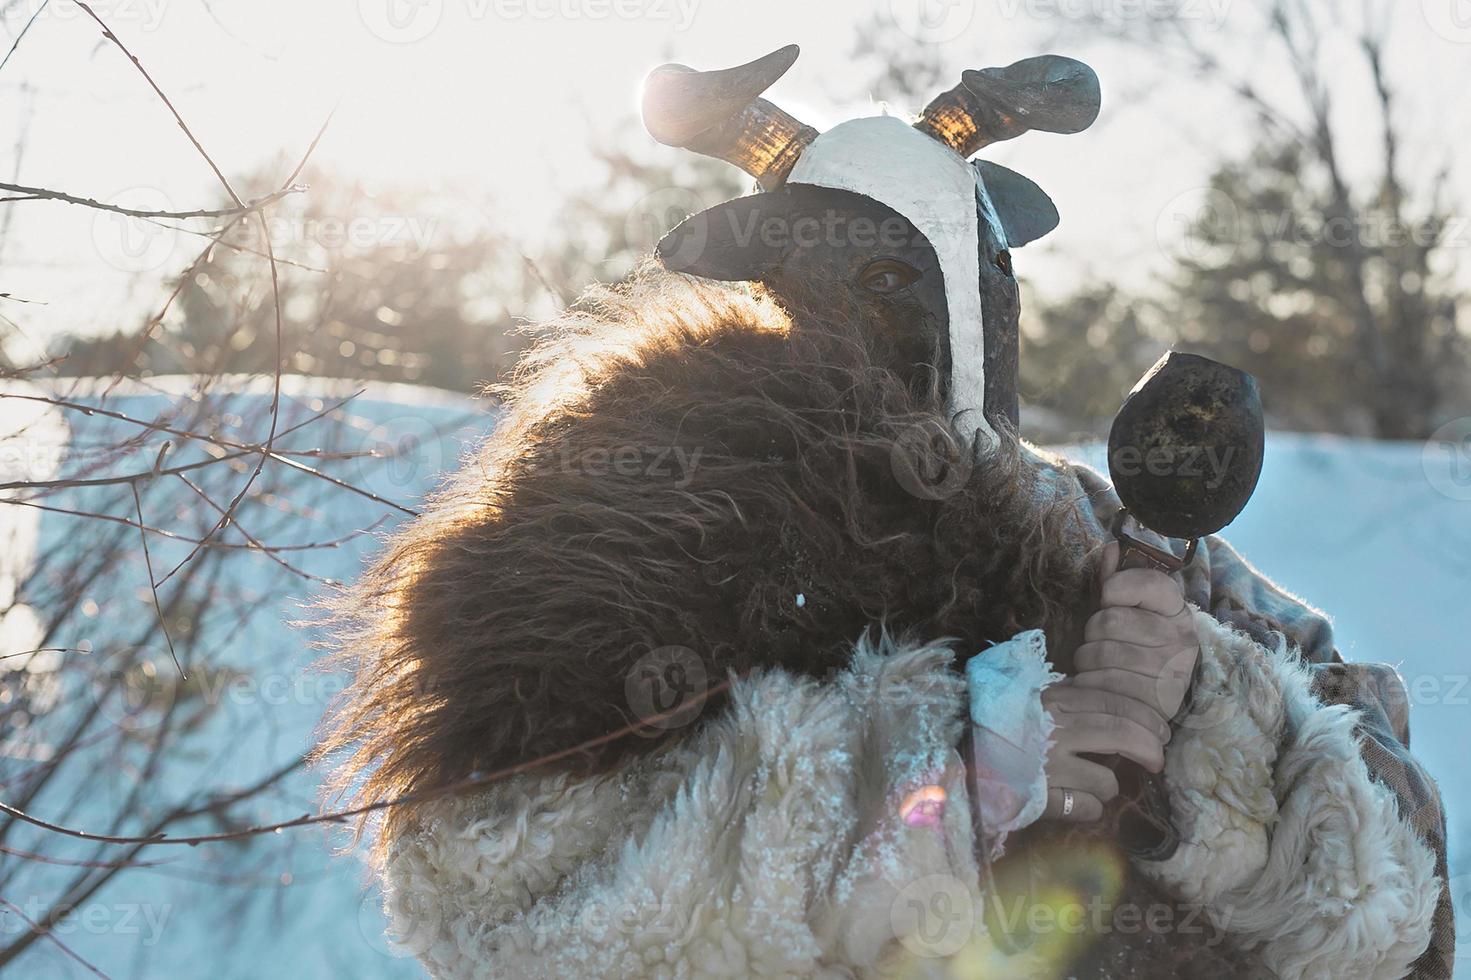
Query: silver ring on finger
1067, 802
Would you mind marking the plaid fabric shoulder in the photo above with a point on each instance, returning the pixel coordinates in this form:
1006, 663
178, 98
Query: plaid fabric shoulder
1222, 582
1378, 694
1243, 597
1236, 593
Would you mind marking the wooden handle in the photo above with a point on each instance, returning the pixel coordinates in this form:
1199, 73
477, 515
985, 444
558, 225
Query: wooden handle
1146, 829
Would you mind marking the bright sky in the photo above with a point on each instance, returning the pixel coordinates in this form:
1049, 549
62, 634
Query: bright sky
494, 93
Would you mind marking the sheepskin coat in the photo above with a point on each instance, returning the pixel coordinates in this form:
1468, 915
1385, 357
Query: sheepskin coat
770, 842
757, 483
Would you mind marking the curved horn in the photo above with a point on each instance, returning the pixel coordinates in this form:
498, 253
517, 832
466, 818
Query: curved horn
721, 114
1050, 93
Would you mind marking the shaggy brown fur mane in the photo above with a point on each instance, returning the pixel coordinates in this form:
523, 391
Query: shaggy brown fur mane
677, 463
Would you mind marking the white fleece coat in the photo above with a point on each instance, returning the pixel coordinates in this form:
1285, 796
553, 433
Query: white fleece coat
770, 842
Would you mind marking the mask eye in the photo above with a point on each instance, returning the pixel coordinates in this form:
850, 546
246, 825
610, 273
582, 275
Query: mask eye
888, 276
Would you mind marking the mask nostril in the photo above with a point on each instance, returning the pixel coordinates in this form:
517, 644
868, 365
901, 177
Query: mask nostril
1003, 262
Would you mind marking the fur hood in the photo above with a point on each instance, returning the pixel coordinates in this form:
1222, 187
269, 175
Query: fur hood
684, 465
770, 841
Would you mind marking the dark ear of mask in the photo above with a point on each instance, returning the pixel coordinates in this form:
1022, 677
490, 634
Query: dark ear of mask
1025, 211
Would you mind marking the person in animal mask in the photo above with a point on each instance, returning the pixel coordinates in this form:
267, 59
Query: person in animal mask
755, 642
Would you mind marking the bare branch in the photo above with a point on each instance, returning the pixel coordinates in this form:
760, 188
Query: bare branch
247, 448
22, 35
107, 33
25, 193
341, 816
153, 585
40, 931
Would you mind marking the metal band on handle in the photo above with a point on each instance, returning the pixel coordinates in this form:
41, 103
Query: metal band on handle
1139, 554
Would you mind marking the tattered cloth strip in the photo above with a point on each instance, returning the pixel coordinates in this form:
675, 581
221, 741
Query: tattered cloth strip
1010, 737
1221, 581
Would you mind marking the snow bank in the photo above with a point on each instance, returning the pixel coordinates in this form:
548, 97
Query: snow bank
1373, 533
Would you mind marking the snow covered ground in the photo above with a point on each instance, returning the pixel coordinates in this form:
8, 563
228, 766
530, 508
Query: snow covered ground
1377, 534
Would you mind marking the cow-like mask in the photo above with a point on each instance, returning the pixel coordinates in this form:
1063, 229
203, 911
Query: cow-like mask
894, 209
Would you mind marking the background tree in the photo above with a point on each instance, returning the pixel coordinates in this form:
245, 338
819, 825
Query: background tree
1339, 292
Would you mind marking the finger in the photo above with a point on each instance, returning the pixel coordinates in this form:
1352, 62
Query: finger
1108, 563
1144, 588
1133, 657
1112, 735
1071, 772
1086, 807
1167, 670
1123, 682
1137, 626
1104, 701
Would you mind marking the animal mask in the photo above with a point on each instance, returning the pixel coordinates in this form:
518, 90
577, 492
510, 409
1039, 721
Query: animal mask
911, 198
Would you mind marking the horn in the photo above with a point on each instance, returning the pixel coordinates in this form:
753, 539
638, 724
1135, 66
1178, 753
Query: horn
721, 114
1049, 93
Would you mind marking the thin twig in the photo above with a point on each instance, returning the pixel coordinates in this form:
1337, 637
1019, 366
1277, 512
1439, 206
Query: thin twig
152, 585
341, 816
25, 193
107, 33
217, 239
251, 538
219, 441
228, 514
22, 35
75, 862
185, 539
48, 934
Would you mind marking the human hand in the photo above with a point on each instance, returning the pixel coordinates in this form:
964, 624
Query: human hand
1098, 721
1132, 673
1141, 643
